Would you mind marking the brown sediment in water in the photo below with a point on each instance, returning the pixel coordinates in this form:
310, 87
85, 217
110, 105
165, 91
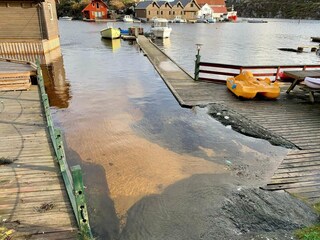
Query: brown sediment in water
135, 167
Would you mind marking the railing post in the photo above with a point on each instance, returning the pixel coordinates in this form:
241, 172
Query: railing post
82, 213
197, 63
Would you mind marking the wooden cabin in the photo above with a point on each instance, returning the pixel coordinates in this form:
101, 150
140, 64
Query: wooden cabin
165, 10
190, 9
147, 10
28, 28
95, 10
177, 9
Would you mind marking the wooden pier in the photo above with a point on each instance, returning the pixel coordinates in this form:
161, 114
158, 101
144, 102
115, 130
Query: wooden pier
33, 200
291, 117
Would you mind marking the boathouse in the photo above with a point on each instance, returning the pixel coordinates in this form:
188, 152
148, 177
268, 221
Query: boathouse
177, 9
147, 10
28, 27
190, 8
187, 9
95, 10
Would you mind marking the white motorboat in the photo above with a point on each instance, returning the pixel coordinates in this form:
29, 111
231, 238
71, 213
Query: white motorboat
127, 18
160, 28
66, 18
178, 19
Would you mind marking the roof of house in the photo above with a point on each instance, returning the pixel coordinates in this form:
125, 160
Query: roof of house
183, 2
145, 4
219, 9
160, 3
212, 2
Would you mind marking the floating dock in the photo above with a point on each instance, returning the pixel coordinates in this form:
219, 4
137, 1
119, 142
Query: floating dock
33, 200
291, 117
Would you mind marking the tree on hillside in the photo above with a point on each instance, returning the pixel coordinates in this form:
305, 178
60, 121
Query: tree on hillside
71, 8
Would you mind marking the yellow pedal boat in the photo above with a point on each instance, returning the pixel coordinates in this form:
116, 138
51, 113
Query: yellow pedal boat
247, 86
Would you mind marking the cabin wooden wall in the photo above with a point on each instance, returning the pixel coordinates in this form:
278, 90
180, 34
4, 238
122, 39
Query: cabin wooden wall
19, 20
49, 20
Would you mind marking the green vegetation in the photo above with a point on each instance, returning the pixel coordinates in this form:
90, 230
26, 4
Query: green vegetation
73, 8
310, 233
292, 9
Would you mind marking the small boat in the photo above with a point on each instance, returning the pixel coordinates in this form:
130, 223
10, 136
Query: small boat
124, 31
110, 33
127, 18
66, 18
160, 28
247, 86
178, 19
315, 39
257, 21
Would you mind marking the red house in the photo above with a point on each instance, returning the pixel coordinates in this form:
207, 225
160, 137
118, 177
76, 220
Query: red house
97, 9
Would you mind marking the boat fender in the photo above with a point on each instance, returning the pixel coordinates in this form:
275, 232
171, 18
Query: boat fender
234, 86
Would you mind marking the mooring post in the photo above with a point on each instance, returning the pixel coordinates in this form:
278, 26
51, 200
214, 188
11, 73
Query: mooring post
197, 62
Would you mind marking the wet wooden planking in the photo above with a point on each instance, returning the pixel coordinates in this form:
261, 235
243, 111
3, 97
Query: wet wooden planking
33, 199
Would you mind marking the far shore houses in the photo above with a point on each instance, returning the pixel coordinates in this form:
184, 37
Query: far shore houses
187, 9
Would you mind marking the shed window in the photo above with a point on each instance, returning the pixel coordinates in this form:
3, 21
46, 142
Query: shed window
98, 6
173, 13
169, 12
50, 11
148, 12
161, 13
191, 5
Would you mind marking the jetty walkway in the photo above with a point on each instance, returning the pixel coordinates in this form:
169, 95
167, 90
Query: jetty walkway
291, 117
33, 199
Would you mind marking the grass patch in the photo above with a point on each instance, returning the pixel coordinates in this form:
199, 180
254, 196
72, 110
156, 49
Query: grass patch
309, 233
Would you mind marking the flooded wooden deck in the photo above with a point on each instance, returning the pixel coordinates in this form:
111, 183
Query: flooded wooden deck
292, 117
33, 200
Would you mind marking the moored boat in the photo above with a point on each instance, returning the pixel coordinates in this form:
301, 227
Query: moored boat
315, 39
178, 19
110, 33
66, 18
127, 18
257, 21
160, 28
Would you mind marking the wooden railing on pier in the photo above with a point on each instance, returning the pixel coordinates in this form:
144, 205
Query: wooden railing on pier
216, 72
72, 177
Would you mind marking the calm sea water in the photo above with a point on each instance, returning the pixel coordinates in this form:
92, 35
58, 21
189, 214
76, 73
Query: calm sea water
146, 160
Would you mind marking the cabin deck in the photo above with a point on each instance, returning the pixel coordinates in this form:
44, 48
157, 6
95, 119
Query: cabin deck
292, 117
33, 200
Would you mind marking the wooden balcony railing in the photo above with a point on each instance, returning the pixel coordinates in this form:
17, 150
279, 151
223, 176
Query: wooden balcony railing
216, 72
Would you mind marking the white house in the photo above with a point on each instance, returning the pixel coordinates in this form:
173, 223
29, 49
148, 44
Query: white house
205, 12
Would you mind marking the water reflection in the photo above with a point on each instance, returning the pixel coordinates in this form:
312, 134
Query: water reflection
56, 84
113, 44
163, 43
